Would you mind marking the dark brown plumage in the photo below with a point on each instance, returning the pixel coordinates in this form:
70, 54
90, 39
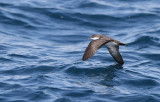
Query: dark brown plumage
114, 51
98, 42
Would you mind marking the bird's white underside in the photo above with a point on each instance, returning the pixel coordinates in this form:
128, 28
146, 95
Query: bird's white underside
95, 38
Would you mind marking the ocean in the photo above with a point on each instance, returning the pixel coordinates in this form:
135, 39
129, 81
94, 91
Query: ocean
42, 43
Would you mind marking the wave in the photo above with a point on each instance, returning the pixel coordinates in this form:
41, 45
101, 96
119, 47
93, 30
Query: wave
30, 70
42, 44
145, 40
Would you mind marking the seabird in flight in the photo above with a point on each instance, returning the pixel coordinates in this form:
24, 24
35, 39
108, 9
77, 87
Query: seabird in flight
98, 41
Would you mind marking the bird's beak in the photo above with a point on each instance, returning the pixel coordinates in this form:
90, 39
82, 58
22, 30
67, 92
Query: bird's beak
89, 38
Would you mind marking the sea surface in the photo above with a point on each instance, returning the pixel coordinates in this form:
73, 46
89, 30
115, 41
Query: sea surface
42, 43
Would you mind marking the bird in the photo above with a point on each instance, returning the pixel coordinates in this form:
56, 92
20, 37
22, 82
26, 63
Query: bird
100, 40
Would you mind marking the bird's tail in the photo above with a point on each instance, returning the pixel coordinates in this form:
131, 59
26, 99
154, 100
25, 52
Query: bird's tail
123, 44
120, 43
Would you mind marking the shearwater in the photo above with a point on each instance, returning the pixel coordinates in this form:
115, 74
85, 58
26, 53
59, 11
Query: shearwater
98, 41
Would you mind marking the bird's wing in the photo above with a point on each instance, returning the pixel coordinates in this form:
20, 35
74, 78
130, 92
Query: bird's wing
92, 48
114, 51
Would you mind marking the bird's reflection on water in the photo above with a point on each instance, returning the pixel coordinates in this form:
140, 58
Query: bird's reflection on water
98, 79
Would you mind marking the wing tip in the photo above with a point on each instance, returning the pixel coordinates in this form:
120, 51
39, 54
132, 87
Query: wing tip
121, 62
84, 58
123, 44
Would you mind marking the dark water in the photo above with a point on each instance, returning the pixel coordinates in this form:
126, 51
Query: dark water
42, 43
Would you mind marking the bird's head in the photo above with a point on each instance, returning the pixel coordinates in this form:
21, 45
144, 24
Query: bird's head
95, 37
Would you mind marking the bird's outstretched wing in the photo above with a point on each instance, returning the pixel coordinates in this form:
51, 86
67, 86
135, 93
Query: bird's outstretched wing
93, 47
114, 51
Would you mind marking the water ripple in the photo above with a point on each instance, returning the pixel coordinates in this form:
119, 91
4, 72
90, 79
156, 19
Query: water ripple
42, 44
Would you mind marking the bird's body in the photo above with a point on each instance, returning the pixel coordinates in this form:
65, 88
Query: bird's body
100, 40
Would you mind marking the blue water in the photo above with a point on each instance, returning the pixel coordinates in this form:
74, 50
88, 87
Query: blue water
42, 43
